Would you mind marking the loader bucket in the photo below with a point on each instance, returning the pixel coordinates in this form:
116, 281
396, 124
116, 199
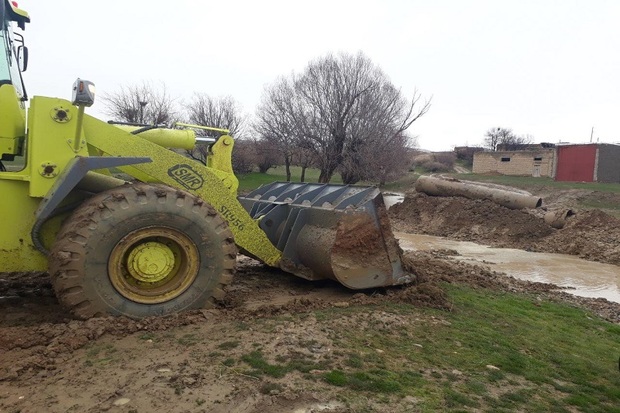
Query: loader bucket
340, 232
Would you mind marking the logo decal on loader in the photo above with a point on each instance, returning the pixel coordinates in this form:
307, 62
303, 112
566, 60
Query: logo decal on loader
186, 176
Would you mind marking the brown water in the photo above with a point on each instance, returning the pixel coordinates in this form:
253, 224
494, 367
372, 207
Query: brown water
589, 279
392, 198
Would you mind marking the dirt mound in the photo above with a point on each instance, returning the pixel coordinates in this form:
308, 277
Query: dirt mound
573, 197
590, 234
466, 219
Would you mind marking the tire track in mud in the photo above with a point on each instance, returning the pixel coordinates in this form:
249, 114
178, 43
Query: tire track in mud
37, 334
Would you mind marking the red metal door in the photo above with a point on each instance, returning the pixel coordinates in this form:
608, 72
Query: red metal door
576, 163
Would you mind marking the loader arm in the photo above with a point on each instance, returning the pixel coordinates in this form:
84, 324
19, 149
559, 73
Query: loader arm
216, 187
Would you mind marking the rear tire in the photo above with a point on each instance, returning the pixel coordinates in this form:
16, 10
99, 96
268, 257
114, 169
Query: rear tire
142, 250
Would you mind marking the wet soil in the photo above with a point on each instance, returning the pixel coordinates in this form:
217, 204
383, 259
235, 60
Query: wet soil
186, 362
590, 234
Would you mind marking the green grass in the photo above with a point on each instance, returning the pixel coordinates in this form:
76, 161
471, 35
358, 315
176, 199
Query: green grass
609, 207
147, 336
551, 357
253, 180
248, 182
228, 345
261, 366
376, 380
402, 184
189, 339
465, 163
101, 355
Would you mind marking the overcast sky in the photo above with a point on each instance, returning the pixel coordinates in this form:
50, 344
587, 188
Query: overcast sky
550, 69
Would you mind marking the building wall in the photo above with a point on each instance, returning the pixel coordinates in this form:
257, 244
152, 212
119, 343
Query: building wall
521, 163
608, 167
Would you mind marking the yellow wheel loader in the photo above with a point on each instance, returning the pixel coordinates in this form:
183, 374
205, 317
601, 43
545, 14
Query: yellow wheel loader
166, 241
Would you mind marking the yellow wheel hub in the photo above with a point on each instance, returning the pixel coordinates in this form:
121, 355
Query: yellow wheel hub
150, 262
153, 265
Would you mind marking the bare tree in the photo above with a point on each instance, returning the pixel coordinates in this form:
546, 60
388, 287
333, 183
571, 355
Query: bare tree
338, 106
514, 142
377, 148
495, 136
504, 139
380, 160
304, 158
276, 120
243, 156
348, 100
221, 112
394, 161
141, 104
266, 155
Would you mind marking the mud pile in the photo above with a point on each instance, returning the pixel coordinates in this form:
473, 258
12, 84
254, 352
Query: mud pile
590, 234
480, 221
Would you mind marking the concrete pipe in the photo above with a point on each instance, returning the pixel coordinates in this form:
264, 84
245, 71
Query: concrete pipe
443, 187
557, 219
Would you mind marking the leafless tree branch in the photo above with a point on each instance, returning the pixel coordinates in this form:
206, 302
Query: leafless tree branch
142, 104
342, 108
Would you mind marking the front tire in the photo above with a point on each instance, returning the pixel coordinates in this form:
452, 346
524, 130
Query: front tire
142, 250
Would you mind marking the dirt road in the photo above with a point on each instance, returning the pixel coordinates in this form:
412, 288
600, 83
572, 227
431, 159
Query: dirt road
191, 362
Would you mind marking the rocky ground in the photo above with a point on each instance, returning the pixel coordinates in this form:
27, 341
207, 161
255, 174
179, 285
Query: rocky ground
189, 362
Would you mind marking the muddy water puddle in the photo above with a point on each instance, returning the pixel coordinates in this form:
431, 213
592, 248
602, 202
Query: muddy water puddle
390, 199
589, 279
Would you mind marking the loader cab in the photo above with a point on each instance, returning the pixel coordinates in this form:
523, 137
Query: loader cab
13, 61
14, 58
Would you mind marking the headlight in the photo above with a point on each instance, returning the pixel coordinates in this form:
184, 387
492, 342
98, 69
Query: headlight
83, 93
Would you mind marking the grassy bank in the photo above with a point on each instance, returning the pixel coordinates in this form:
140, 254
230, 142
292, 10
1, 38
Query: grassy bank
508, 353
494, 352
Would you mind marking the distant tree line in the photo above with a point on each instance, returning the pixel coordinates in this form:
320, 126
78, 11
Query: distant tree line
503, 138
341, 114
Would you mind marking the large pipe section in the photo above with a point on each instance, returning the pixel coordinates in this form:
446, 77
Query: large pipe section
443, 187
557, 218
